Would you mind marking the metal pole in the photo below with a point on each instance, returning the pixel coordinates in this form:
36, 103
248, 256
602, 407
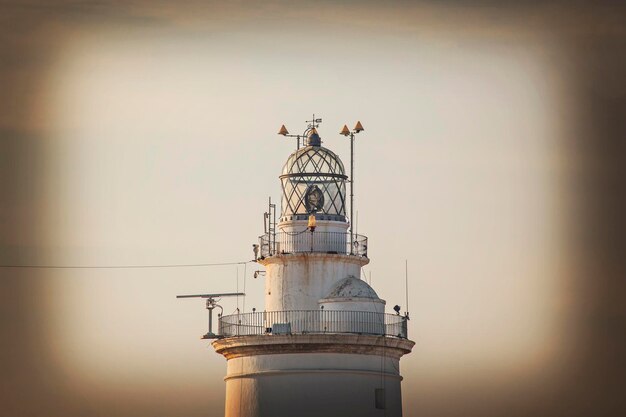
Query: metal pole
351, 193
210, 306
210, 320
406, 286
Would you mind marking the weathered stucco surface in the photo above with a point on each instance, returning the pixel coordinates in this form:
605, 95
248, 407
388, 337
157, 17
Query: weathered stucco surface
298, 281
318, 375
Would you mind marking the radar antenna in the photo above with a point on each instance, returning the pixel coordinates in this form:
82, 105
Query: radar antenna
211, 303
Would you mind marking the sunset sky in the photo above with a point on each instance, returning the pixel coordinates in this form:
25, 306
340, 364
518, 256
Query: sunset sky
144, 133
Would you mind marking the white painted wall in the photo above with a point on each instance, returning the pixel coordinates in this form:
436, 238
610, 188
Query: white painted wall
312, 384
329, 236
299, 281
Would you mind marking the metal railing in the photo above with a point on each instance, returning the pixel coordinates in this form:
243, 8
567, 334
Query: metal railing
320, 242
312, 321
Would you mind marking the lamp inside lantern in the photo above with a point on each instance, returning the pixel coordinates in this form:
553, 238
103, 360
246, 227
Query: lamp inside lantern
312, 222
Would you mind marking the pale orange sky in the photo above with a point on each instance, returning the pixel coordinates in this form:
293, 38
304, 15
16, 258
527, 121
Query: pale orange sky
152, 134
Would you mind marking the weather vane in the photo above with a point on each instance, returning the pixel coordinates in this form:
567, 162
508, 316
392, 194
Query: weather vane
312, 124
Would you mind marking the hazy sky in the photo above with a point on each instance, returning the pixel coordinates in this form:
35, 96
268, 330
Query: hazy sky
144, 133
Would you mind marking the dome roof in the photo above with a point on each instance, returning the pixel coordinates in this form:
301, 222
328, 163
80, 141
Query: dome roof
313, 160
352, 287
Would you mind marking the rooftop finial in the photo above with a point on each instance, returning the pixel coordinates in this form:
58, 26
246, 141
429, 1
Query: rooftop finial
313, 139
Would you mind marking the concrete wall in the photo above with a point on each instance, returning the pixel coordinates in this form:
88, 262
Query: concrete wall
314, 375
312, 384
299, 281
329, 236
322, 225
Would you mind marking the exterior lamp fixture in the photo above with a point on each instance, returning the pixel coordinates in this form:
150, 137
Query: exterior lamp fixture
311, 226
346, 132
312, 222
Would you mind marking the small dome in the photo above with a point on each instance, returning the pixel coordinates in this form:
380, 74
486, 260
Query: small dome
313, 160
352, 287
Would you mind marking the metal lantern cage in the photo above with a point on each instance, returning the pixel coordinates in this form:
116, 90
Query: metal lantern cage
313, 181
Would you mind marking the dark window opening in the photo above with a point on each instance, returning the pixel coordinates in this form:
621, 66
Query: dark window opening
379, 396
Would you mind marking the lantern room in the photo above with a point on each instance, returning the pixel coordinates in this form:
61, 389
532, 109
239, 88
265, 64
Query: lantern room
313, 181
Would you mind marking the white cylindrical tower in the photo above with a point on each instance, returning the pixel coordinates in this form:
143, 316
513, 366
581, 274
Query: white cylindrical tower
323, 345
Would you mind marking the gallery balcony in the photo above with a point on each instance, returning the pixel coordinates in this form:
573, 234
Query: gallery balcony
312, 322
316, 242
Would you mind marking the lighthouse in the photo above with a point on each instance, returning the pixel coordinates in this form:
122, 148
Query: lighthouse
323, 344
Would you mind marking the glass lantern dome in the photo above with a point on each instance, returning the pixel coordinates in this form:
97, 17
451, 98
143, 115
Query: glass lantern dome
313, 181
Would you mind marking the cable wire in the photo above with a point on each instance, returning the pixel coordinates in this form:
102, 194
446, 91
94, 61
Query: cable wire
123, 266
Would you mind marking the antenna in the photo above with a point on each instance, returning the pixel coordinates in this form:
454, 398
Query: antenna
271, 226
226, 294
244, 286
237, 281
269, 229
406, 285
346, 132
211, 303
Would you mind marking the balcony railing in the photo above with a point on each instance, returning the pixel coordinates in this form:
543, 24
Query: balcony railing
320, 242
312, 322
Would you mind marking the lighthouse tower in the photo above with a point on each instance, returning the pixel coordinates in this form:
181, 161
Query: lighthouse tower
323, 346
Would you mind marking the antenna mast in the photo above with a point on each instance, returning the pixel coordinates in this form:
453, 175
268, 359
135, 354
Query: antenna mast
270, 226
406, 285
346, 132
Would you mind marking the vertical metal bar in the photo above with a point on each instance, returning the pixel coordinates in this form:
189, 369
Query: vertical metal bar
210, 320
351, 192
274, 248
